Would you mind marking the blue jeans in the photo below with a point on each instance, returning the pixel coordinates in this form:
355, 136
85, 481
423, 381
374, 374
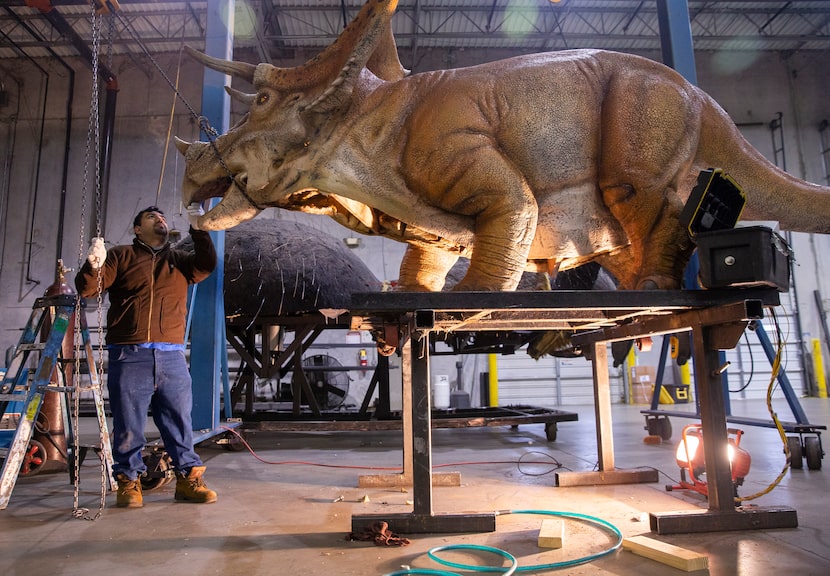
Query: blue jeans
141, 378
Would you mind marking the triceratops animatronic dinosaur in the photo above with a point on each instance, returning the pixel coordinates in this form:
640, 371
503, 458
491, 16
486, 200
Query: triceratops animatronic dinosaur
536, 162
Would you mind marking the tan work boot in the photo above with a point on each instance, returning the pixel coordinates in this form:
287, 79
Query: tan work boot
129, 493
191, 487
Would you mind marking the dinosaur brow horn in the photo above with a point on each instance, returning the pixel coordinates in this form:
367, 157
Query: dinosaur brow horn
237, 69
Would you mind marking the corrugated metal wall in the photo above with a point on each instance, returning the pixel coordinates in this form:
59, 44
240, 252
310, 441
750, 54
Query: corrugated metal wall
550, 382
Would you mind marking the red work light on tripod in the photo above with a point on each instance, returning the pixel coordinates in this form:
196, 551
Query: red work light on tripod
690, 459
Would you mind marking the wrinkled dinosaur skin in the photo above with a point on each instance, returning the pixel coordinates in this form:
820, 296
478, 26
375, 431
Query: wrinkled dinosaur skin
536, 162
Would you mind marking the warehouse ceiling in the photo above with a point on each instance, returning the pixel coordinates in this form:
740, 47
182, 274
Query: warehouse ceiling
272, 30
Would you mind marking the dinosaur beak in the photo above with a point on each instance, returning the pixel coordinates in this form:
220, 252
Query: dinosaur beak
234, 209
203, 182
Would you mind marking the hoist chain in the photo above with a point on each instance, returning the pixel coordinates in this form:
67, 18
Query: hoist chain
92, 147
110, 38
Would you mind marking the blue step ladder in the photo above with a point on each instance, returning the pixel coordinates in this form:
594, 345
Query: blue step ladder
23, 391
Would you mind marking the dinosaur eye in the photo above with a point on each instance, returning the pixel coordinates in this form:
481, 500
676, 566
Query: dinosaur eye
262, 98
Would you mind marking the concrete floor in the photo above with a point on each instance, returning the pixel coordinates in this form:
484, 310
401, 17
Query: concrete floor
286, 508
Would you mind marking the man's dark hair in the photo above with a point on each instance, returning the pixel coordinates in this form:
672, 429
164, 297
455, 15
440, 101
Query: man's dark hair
137, 219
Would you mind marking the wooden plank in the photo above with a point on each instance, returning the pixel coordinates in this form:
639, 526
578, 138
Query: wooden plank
602, 406
665, 553
552, 533
443, 479
606, 477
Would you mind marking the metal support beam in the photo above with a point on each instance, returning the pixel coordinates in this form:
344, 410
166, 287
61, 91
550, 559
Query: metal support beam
208, 354
60, 24
676, 37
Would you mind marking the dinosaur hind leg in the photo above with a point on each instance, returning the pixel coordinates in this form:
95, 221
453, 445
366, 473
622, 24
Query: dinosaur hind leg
659, 246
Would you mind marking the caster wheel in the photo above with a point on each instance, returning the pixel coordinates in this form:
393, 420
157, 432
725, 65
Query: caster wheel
664, 429
33, 459
159, 472
812, 452
659, 426
550, 431
796, 456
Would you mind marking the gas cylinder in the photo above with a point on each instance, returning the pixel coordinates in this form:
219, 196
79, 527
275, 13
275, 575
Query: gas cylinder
50, 428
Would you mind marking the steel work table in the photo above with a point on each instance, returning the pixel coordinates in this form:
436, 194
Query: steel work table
716, 318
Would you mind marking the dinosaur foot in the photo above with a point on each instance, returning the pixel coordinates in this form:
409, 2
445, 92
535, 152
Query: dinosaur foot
657, 283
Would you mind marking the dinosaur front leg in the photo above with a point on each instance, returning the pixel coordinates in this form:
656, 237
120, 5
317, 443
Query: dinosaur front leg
506, 214
424, 269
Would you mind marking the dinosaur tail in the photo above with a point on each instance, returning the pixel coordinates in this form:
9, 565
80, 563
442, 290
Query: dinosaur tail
772, 194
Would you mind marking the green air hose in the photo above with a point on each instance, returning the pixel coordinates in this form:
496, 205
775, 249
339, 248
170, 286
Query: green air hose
514, 567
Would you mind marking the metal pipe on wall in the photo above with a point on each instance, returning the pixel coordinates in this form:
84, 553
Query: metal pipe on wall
5, 185
30, 242
106, 149
67, 138
67, 133
57, 20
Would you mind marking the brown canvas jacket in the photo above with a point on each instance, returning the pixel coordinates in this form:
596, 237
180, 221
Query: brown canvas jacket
148, 288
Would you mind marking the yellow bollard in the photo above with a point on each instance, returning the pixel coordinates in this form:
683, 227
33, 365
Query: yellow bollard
686, 374
686, 377
630, 361
492, 366
818, 369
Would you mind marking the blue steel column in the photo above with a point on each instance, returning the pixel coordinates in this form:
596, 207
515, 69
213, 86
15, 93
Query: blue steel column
678, 52
208, 353
676, 37
711, 385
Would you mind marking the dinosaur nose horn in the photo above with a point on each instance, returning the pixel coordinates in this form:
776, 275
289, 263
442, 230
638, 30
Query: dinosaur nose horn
181, 145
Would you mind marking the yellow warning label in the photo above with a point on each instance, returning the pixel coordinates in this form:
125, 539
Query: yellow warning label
31, 409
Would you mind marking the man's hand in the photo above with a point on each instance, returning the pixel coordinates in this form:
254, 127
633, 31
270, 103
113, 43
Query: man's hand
97, 252
194, 211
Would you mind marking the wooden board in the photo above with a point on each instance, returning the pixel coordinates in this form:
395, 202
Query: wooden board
674, 556
551, 534
395, 480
